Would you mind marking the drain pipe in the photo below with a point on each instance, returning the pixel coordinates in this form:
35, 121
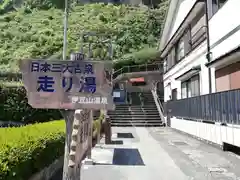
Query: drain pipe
209, 53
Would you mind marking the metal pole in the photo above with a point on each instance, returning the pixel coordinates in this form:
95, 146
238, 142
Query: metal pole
65, 31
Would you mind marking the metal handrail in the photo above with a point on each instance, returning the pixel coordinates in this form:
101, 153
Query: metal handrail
160, 104
10, 76
137, 68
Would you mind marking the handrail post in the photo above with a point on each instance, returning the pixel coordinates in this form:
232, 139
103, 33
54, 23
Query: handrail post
108, 133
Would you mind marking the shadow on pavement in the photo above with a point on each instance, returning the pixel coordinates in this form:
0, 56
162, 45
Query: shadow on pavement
117, 142
125, 135
127, 157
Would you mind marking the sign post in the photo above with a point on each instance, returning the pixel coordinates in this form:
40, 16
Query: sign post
89, 152
68, 115
79, 87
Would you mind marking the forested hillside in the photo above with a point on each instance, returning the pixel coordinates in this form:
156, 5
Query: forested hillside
36, 30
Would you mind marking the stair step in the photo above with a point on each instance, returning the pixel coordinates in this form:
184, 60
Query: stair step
141, 114
132, 122
132, 109
145, 105
145, 114
137, 125
117, 112
136, 119
135, 115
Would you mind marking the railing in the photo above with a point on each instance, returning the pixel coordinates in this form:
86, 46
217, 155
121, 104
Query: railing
222, 107
137, 68
158, 104
9, 76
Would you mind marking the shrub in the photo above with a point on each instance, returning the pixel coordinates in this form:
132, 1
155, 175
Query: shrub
97, 124
38, 34
27, 150
14, 107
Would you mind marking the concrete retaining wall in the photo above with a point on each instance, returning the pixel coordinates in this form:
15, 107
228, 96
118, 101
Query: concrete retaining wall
215, 133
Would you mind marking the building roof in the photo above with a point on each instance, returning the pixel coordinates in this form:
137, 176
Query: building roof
167, 25
171, 15
226, 59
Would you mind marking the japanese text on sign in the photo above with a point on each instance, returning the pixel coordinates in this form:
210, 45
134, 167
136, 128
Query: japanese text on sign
87, 82
89, 100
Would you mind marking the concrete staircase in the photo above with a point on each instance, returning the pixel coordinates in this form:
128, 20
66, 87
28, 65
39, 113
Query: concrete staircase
121, 116
142, 112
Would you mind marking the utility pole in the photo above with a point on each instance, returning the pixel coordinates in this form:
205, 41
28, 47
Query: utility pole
65, 31
68, 173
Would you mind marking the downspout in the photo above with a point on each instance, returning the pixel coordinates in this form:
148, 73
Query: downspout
209, 53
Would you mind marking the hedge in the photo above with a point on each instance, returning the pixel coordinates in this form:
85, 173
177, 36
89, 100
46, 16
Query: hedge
14, 107
27, 150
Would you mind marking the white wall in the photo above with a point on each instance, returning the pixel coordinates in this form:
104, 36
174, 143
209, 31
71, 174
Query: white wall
182, 11
195, 58
210, 132
223, 22
167, 92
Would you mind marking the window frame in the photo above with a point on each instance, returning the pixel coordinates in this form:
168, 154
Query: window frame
189, 90
178, 49
187, 39
218, 6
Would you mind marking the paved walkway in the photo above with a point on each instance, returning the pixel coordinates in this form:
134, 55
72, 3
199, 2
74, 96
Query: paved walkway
159, 154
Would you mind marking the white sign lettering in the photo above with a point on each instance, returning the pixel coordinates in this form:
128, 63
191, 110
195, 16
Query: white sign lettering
89, 100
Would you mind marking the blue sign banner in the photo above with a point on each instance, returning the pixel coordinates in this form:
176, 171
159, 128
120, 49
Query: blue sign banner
121, 98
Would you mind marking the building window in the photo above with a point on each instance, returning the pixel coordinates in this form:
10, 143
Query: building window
198, 29
191, 87
180, 49
184, 90
170, 60
217, 4
165, 66
187, 41
174, 94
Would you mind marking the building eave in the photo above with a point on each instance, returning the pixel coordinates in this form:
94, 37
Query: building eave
187, 75
167, 20
226, 59
188, 18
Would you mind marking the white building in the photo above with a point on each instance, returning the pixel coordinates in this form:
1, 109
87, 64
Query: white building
188, 72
